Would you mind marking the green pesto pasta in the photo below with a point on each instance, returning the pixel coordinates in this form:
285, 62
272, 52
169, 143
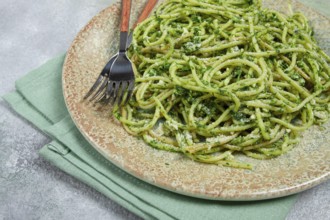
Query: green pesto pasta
217, 78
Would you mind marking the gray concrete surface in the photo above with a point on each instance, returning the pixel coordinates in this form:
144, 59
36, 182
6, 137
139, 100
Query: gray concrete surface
31, 32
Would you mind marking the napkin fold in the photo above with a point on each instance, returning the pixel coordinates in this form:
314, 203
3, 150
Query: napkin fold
38, 98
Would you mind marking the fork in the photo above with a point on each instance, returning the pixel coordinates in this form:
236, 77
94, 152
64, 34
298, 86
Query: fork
104, 87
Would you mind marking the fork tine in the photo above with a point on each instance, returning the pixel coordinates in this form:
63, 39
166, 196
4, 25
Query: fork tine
95, 85
130, 91
107, 95
122, 92
100, 90
115, 91
102, 98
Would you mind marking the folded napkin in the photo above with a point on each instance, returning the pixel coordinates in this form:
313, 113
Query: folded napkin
38, 98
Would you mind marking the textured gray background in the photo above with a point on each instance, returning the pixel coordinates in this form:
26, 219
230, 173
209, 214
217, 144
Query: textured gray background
31, 32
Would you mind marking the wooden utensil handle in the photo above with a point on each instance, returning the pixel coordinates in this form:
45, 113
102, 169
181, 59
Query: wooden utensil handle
125, 14
146, 11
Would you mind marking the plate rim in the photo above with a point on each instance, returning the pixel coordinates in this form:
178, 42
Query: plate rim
263, 195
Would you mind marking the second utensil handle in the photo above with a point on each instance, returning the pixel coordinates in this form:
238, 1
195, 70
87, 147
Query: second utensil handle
125, 14
146, 11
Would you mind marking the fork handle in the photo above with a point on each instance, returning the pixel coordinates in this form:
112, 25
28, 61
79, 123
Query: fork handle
125, 14
124, 24
146, 11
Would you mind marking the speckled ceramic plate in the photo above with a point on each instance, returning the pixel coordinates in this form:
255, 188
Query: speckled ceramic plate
307, 165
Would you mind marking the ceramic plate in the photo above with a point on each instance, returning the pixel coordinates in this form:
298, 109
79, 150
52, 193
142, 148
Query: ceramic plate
307, 165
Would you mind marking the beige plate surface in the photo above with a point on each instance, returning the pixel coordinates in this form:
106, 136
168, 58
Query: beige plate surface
307, 165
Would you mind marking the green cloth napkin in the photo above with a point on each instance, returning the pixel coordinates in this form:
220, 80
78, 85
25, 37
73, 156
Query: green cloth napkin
38, 98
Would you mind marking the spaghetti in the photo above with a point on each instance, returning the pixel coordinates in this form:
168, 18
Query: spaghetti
219, 78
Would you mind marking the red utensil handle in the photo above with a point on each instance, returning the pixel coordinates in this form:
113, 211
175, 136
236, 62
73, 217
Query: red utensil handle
146, 11
125, 14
